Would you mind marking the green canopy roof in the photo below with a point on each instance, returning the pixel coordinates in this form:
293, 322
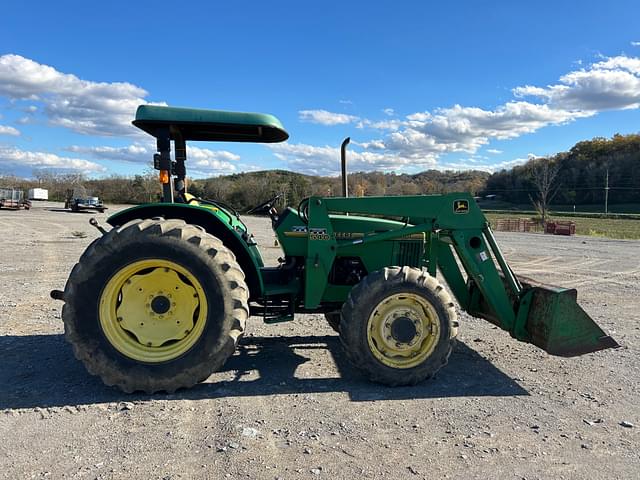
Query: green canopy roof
210, 125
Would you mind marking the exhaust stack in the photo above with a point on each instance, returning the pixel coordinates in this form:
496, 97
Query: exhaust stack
343, 160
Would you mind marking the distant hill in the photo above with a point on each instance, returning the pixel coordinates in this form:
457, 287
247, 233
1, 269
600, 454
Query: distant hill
244, 190
582, 175
581, 181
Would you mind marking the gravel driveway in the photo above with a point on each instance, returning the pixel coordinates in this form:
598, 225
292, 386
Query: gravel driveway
288, 405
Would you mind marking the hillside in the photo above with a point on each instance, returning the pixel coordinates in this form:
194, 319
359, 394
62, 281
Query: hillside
581, 180
582, 174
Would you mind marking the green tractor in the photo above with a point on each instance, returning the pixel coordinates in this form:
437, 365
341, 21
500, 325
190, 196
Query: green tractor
160, 301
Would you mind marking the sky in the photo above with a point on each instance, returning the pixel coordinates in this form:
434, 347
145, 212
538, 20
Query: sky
415, 84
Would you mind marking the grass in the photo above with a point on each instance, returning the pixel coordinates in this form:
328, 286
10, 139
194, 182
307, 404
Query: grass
599, 227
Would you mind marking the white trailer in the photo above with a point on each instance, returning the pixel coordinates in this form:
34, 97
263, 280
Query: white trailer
38, 194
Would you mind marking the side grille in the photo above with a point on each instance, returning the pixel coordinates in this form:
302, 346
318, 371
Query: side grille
409, 252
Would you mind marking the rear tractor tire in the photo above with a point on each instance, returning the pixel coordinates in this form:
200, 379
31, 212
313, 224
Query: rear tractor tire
333, 319
398, 326
155, 305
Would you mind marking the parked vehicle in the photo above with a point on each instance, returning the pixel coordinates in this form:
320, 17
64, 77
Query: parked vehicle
38, 194
13, 199
78, 201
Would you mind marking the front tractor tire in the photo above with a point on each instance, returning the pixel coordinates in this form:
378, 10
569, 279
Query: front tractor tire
155, 305
398, 326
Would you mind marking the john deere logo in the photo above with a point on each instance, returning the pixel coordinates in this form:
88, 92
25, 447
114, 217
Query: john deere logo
461, 206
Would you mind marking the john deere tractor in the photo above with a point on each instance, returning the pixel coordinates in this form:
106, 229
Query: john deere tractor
160, 301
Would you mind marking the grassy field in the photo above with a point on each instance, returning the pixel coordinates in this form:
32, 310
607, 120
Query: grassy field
600, 227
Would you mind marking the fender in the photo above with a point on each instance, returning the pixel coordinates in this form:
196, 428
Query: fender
218, 223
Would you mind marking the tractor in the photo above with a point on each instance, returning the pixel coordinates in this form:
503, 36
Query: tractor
161, 299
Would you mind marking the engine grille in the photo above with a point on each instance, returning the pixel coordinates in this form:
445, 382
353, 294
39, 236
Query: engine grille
409, 252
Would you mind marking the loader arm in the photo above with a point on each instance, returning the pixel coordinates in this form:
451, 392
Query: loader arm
460, 243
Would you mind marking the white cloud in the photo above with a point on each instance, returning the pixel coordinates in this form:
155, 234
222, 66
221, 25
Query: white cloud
129, 153
472, 164
635, 44
494, 151
14, 159
466, 129
315, 160
86, 107
611, 84
371, 145
7, 130
390, 125
389, 111
215, 162
199, 160
323, 117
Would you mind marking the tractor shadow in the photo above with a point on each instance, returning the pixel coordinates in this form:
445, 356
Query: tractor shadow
41, 371
66, 210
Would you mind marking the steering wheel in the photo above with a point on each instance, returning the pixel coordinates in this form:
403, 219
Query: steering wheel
265, 205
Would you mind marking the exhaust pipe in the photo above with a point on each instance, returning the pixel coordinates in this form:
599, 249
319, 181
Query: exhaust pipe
343, 159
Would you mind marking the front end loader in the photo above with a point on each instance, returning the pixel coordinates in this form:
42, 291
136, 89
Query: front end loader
160, 301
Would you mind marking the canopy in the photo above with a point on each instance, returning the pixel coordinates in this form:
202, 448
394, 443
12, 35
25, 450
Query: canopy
210, 125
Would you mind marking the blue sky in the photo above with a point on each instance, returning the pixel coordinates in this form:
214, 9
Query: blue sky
417, 85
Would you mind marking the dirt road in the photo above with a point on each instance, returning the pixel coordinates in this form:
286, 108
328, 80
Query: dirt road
287, 404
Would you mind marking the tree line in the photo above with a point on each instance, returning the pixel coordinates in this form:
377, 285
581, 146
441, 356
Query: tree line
575, 177
580, 175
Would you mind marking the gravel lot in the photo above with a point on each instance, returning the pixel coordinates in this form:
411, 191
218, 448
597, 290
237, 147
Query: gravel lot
287, 405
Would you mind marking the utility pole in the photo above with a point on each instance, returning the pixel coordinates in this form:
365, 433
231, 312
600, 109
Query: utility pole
606, 193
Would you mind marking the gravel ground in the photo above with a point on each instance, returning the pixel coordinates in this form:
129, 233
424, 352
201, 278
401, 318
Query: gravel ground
287, 404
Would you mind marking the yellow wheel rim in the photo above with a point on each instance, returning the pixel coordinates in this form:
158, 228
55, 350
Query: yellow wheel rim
403, 330
153, 310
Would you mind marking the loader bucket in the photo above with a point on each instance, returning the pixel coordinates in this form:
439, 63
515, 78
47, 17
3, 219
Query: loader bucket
558, 325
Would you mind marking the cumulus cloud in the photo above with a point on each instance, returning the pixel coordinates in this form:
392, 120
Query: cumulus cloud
130, 153
466, 129
474, 164
390, 125
635, 44
86, 107
205, 161
325, 160
15, 158
7, 130
323, 117
611, 84
200, 160
494, 151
